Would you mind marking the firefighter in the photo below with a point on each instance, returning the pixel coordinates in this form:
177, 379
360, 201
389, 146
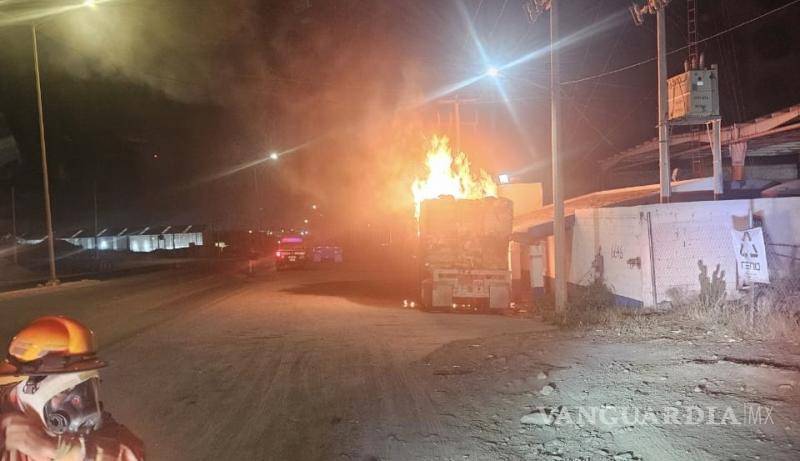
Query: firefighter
49, 400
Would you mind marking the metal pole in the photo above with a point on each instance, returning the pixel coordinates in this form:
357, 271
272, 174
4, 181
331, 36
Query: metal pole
96, 230
48, 216
14, 222
663, 107
559, 230
457, 121
94, 203
256, 201
716, 152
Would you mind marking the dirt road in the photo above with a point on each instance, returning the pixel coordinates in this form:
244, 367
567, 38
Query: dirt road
302, 365
328, 365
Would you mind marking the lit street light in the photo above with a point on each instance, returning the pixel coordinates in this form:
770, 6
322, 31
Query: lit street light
493, 71
273, 156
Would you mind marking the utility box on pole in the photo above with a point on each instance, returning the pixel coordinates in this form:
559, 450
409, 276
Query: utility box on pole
694, 97
694, 100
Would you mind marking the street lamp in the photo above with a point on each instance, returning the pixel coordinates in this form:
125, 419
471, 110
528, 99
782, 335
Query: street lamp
273, 156
493, 71
45, 177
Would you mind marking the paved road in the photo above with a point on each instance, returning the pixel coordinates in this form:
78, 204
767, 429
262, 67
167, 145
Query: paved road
294, 365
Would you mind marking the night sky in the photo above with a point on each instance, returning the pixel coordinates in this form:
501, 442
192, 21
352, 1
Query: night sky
160, 105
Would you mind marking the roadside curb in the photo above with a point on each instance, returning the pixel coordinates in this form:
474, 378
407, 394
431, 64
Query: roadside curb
48, 289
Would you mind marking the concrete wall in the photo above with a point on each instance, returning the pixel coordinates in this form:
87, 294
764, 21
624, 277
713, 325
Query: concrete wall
677, 235
685, 233
609, 242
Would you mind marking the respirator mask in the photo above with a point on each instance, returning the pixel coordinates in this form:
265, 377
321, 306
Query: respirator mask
67, 403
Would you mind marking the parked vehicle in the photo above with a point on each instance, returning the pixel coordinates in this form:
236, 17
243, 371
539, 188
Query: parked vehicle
327, 253
291, 252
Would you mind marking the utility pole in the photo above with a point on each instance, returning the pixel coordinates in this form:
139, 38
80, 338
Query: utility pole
14, 222
96, 229
559, 230
256, 198
659, 8
47, 211
663, 106
535, 8
456, 102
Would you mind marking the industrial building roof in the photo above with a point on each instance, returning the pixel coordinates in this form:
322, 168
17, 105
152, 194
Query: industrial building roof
777, 133
126, 231
112, 232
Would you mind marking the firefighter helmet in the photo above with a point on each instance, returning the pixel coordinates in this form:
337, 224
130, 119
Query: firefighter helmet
49, 345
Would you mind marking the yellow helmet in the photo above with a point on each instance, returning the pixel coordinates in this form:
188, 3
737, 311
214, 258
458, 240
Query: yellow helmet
48, 345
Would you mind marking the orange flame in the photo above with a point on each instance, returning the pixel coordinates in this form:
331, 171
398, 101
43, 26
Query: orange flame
448, 175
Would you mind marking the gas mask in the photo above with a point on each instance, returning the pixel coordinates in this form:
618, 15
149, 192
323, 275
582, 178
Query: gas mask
67, 403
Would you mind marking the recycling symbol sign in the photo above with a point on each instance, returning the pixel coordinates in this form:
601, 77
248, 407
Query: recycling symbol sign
751, 255
747, 248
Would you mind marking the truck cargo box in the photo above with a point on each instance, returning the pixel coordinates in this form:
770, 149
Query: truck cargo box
465, 234
464, 252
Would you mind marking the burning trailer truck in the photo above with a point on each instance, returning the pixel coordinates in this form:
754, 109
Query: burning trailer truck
464, 253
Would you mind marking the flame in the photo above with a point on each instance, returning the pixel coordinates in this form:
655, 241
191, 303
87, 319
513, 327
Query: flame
448, 175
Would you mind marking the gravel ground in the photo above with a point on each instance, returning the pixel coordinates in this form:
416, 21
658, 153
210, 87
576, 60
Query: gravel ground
327, 365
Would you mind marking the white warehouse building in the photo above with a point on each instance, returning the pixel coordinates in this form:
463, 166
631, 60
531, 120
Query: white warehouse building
153, 238
141, 240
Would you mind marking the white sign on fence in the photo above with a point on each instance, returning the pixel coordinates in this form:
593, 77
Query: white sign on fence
751, 255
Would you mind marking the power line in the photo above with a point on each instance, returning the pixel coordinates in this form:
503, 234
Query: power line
497, 21
649, 60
